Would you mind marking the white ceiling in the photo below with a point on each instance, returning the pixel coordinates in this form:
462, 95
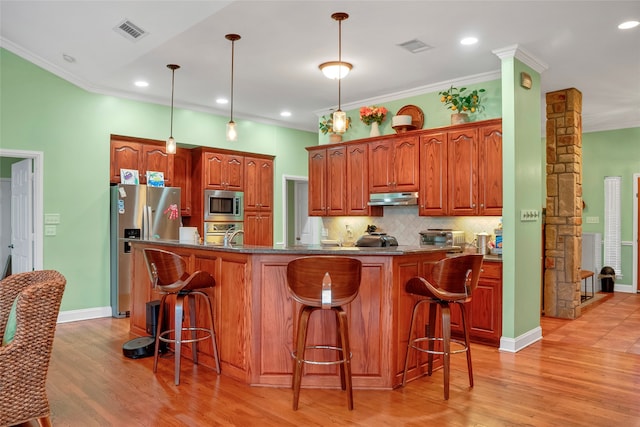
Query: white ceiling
283, 42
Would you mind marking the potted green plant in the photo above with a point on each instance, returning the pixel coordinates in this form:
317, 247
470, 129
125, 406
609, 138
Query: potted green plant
326, 126
462, 104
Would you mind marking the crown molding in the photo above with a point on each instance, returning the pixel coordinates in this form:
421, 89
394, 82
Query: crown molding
518, 52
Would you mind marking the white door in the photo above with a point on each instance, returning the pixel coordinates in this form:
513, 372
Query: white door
22, 216
5, 222
306, 228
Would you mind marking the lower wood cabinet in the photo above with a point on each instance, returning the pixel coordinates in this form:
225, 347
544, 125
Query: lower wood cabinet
484, 312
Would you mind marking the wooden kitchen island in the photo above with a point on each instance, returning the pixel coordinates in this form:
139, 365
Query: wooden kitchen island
255, 316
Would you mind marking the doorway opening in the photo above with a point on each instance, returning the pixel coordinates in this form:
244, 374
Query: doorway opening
298, 227
37, 158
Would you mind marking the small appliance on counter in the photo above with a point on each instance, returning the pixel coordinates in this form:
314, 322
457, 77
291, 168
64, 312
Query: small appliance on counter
375, 239
442, 237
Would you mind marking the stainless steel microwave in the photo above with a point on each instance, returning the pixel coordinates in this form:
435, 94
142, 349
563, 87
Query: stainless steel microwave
439, 237
221, 205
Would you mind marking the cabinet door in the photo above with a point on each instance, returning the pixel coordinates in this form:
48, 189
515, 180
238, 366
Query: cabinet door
433, 174
155, 158
380, 166
223, 172
358, 182
462, 166
125, 155
485, 318
405, 164
490, 170
317, 181
336, 189
233, 172
258, 176
182, 178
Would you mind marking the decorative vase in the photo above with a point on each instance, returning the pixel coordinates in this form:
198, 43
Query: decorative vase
458, 118
335, 138
375, 129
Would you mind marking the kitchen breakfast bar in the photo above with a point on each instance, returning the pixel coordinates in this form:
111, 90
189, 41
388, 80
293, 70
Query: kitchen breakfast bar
255, 316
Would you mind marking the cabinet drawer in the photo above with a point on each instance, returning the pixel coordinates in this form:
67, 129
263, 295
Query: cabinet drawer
491, 270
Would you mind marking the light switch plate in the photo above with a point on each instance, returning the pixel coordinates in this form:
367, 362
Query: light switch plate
52, 218
529, 215
593, 219
50, 230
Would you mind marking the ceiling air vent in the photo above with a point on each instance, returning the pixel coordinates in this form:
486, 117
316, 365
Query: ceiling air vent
130, 30
415, 46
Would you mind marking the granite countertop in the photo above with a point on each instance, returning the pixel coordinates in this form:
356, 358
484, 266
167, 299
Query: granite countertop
308, 249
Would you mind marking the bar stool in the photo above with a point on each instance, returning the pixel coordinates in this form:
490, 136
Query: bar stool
323, 283
452, 280
168, 275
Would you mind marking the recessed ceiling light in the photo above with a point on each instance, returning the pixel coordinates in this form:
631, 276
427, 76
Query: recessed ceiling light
222, 101
629, 24
469, 40
285, 113
141, 83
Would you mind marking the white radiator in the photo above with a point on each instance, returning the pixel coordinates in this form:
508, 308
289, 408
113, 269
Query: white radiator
592, 257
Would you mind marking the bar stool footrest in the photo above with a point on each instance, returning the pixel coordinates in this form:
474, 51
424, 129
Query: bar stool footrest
321, 362
186, 341
452, 341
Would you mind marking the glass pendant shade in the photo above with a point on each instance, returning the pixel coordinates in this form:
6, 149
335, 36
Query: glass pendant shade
335, 69
171, 146
171, 143
339, 121
232, 134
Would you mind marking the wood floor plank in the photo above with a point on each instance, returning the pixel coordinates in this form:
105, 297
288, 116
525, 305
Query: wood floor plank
575, 376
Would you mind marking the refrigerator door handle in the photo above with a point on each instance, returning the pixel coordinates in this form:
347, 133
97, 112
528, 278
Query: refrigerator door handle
149, 222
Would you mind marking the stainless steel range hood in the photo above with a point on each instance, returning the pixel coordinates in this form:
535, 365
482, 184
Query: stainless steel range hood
393, 199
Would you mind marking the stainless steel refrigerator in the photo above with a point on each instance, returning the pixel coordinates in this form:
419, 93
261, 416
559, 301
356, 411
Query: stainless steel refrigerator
138, 212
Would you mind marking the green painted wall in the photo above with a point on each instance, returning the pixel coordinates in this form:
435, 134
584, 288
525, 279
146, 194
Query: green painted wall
435, 113
41, 112
611, 153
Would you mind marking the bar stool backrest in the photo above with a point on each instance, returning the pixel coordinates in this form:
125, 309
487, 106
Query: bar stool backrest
305, 275
165, 268
453, 278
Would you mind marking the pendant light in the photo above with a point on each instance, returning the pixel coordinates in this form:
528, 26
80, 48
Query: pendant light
232, 134
337, 70
171, 143
339, 116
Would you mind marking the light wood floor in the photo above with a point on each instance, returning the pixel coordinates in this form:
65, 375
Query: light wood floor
584, 372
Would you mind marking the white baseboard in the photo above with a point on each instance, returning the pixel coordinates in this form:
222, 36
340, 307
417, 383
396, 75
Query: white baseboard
620, 287
83, 314
514, 345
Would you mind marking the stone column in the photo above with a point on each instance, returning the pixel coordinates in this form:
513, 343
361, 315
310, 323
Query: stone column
563, 222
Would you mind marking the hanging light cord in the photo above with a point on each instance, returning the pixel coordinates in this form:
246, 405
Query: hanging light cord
173, 76
233, 43
339, 60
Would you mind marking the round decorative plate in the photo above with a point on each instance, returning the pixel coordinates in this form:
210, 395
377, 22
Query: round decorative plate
417, 116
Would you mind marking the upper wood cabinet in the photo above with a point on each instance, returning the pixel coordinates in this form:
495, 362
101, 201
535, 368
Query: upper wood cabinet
327, 181
141, 155
223, 171
258, 201
490, 169
461, 170
394, 164
358, 182
432, 197
182, 179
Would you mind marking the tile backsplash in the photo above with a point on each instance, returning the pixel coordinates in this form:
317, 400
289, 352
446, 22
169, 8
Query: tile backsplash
404, 223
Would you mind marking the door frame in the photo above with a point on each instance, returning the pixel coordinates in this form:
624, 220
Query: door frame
285, 203
38, 212
636, 230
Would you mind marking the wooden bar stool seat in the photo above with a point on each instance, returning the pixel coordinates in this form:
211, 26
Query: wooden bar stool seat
305, 279
452, 280
169, 276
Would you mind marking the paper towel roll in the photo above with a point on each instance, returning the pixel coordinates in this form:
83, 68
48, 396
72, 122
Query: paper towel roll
188, 234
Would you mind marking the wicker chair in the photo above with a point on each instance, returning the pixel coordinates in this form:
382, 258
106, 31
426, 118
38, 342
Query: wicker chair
24, 362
